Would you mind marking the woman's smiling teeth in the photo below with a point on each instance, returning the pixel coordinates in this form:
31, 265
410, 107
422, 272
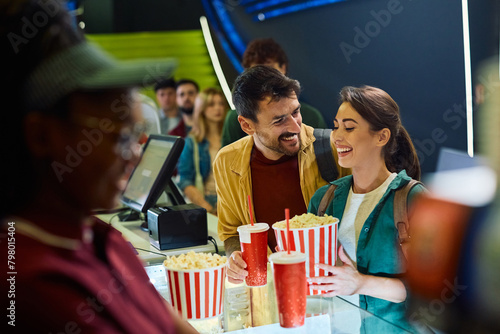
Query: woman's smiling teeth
344, 149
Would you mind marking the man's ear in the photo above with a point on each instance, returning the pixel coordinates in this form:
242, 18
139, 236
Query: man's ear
383, 137
246, 125
40, 133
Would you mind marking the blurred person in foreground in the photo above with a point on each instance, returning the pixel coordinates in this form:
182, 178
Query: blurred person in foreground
275, 165
486, 282
371, 140
74, 141
462, 280
202, 144
453, 272
266, 51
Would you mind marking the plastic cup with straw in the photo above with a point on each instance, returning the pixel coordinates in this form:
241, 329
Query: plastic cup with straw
289, 273
253, 241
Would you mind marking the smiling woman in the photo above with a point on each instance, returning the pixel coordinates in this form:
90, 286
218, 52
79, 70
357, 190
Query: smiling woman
378, 111
371, 140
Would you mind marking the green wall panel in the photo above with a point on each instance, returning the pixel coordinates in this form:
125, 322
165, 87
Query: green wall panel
188, 47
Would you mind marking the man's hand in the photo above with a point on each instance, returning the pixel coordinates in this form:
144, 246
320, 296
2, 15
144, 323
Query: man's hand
236, 272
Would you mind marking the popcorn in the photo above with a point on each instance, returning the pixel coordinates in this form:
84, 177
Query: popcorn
194, 260
306, 220
196, 284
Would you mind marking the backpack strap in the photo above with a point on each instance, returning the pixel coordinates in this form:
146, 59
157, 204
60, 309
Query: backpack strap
324, 157
401, 215
326, 200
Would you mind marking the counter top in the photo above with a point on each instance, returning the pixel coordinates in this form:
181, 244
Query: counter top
251, 310
132, 232
254, 310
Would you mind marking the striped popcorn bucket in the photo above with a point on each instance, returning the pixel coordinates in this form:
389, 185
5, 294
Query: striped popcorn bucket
197, 293
318, 243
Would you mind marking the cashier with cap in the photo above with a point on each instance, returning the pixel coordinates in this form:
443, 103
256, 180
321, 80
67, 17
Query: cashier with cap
73, 143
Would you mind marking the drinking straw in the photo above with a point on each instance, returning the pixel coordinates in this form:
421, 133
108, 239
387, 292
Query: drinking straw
287, 216
250, 208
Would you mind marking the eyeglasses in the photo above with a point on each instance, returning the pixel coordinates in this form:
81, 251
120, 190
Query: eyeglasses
127, 142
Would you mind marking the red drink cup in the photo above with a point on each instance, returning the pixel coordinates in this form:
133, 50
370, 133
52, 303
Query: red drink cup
253, 240
289, 272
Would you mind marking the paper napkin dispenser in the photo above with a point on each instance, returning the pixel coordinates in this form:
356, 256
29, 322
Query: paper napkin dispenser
177, 226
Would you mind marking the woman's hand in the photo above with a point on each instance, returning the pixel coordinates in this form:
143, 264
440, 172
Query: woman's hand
345, 280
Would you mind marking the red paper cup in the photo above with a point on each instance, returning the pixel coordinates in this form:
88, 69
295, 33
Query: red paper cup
318, 243
197, 293
253, 240
289, 272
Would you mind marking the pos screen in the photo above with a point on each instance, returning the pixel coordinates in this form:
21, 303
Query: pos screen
152, 176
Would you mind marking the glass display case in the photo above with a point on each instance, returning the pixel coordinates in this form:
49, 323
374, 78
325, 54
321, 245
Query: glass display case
254, 310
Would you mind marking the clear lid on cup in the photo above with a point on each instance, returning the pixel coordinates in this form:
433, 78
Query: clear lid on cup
285, 258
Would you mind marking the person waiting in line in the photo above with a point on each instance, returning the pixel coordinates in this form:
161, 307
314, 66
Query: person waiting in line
73, 141
186, 92
266, 51
201, 146
275, 165
169, 113
370, 140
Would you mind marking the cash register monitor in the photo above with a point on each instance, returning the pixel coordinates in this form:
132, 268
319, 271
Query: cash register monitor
152, 177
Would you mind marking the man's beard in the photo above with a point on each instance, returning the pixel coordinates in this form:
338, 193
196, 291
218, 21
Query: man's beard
276, 145
187, 111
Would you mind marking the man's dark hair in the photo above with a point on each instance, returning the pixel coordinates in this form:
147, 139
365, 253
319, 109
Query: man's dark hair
187, 81
261, 50
257, 83
165, 83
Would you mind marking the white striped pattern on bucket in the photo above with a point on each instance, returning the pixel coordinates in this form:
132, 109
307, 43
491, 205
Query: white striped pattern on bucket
319, 243
197, 294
